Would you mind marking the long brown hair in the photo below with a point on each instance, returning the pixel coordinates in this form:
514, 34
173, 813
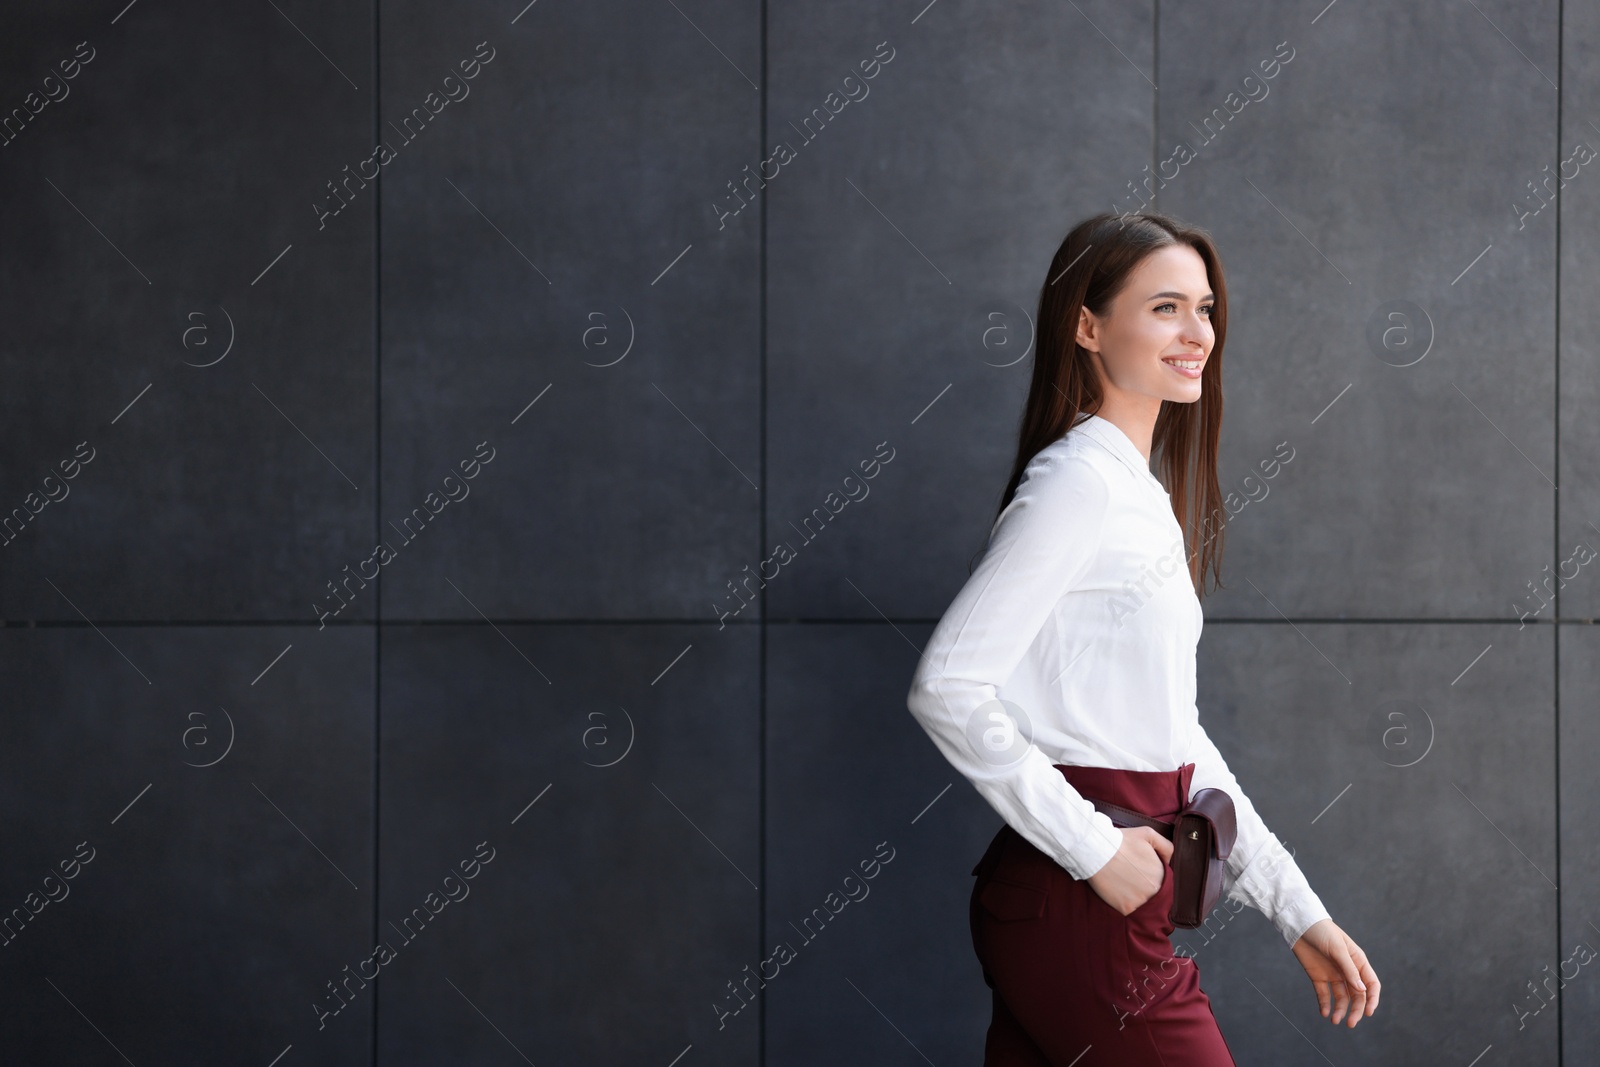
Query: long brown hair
1089, 270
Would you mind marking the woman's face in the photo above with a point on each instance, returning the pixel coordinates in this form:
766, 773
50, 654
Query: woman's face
1157, 335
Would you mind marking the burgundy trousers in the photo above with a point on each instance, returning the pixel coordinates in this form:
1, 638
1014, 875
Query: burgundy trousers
1075, 981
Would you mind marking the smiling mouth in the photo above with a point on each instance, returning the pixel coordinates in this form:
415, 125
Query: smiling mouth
1185, 364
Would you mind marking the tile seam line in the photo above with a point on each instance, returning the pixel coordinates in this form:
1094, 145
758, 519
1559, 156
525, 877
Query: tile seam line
376, 757
761, 524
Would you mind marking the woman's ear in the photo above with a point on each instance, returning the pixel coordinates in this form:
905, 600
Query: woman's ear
1087, 328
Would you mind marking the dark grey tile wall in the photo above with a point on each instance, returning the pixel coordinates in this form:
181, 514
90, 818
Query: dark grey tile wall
1414, 782
949, 182
619, 904
1573, 575
157, 216
1405, 794
1344, 197
224, 818
603, 385
551, 241
861, 806
1562, 974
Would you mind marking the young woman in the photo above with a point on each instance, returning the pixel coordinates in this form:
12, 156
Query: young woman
1065, 670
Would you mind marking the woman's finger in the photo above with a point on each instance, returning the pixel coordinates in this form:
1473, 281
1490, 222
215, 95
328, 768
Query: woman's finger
1347, 965
1324, 997
1162, 846
1358, 1004
1369, 976
1341, 999
1344, 961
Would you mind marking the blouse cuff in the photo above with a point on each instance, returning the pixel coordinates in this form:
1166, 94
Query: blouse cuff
1292, 922
1274, 884
1094, 849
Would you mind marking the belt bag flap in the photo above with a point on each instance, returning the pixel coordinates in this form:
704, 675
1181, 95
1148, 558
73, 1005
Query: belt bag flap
1202, 838
1216, 808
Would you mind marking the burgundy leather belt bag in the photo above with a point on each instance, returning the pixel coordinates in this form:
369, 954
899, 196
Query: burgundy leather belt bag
1202, 835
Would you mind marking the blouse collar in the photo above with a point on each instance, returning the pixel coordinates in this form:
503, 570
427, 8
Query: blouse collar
1110, 435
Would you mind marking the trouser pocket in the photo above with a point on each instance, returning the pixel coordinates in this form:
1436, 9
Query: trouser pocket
1012, 890
1147, 967
1013, 879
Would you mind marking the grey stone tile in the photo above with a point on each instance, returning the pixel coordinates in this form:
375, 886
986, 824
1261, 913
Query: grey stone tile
156, 217
1579, 321
1401, 858
1353, 198
852, 779
226, 828
1571, 967
1410, 797
614, 908
948, 184
528, 236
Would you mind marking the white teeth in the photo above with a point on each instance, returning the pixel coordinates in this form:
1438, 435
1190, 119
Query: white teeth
1186, 364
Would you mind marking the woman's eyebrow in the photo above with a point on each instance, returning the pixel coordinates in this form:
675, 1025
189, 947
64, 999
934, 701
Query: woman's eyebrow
1181, 296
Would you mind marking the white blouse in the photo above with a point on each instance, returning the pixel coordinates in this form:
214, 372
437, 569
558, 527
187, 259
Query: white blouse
1081, 617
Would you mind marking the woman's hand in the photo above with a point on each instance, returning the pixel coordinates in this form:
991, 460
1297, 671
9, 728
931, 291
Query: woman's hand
1339, 972
1136, 872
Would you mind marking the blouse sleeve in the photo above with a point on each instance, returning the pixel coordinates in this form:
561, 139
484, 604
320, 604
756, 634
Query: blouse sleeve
1042, 542
1260, 871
